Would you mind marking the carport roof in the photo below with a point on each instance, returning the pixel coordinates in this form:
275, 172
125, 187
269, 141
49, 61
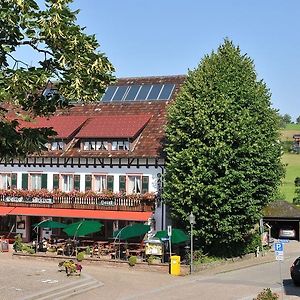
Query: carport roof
281, 209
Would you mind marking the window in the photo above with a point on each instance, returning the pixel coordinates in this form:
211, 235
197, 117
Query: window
95, 145
120, 145
67, 183
134, 184
36, 181
57, 145
101, 145
100, 183
6, 181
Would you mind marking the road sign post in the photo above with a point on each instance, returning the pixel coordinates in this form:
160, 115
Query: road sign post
170, 237
279, 256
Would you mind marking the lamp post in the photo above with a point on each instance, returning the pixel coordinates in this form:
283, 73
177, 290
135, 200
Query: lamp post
192, 222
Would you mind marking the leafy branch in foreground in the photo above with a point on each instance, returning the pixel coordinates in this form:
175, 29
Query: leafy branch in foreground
65, 55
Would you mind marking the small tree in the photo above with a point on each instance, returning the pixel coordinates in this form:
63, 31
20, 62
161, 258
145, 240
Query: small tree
287, 119
298, 120
223, 154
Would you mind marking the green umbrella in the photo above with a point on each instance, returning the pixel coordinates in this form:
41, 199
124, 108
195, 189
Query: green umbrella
131, 231
49, 224
82, 228
178, 236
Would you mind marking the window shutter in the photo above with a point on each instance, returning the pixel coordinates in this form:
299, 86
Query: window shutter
145, 184
88, 182
14, 180
77, 182
110, 183
122, 183
44, 181
25, 181
55, 181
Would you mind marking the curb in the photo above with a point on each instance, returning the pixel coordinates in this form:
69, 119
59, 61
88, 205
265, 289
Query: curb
68, 290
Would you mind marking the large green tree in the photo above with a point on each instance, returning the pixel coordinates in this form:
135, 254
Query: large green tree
67, 56
223, 151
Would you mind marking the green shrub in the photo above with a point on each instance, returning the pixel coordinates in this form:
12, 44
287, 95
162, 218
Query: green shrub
253, 241
88, 250
80, 256
18, 244
132, 261
267, 294
27, 249
287, 146
200, 258
297, 181
150, 259
296, 200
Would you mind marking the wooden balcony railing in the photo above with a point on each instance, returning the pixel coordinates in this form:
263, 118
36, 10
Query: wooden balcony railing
125, 203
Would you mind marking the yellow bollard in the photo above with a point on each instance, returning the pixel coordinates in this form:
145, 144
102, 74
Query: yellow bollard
175, 265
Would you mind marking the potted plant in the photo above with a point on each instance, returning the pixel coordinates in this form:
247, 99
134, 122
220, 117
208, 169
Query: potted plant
132, 261
70, 267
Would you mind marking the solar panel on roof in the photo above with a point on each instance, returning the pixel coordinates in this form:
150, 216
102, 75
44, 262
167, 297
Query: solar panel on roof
153, 95
133, 90
166, 91
120, 93
143, 93
110, 91
138, 92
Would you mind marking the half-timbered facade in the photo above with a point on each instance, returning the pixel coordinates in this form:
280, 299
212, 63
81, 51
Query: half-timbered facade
106, 162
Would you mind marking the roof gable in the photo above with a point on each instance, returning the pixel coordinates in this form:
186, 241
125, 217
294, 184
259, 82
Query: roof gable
117, 126
65, 126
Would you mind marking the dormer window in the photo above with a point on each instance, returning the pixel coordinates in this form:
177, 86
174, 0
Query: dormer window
55, 145
95, 145
120, 145
101, 145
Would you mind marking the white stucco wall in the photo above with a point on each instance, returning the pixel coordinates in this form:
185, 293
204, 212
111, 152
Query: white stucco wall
152, 172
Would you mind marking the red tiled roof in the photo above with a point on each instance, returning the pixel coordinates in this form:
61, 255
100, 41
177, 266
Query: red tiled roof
147, 118
117, 126
65, 126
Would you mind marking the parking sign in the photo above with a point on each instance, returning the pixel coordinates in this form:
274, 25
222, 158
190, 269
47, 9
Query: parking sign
278, 247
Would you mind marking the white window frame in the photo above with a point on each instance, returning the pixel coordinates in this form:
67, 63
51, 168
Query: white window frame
35, 182
120, 145
57, 145
134, 183
94, 145
67, 182
99, 187
101, 145
6, 181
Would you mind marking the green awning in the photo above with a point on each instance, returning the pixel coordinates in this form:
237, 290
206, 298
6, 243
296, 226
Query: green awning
49, 224
83, 228
131, 231
178, 236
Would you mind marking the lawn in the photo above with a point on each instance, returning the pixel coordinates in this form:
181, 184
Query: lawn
292, 162
292, 127
288, 132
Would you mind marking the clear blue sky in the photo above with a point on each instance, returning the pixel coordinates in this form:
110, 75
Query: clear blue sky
163, 37
168, 37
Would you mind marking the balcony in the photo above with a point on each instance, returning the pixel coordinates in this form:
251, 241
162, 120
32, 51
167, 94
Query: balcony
78, 200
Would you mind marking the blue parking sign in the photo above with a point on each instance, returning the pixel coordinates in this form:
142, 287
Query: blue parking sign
278, 246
